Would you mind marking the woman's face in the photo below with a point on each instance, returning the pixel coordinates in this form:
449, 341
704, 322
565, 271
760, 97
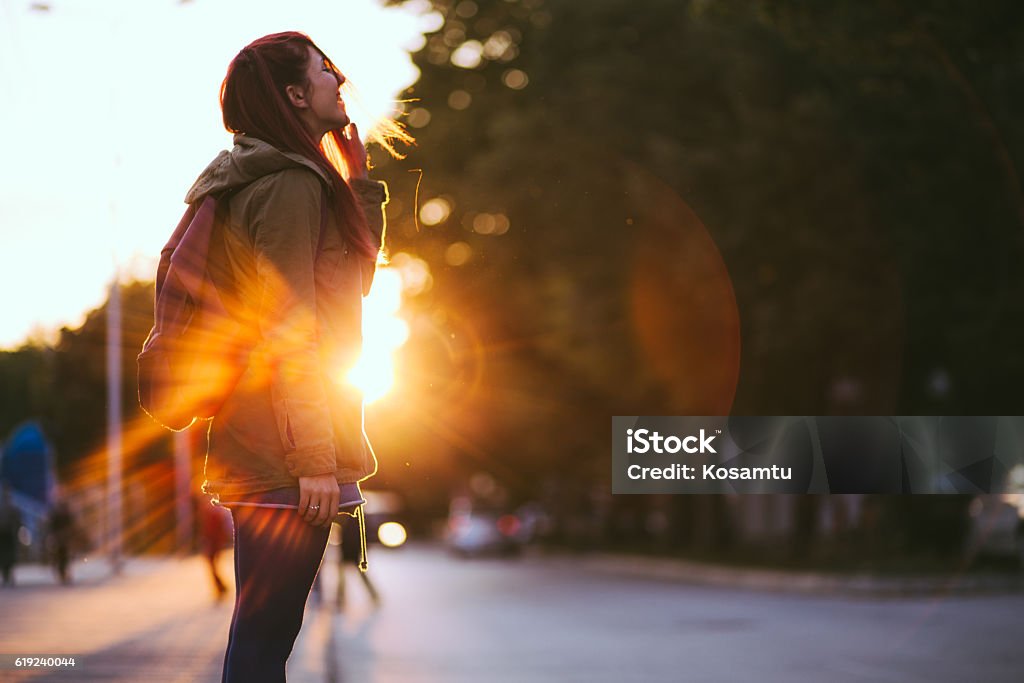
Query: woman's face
320, 106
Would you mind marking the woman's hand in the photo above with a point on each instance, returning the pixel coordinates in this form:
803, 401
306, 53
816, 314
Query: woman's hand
353, 152
318, 499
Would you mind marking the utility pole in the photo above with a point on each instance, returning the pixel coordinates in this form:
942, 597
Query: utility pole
114, 423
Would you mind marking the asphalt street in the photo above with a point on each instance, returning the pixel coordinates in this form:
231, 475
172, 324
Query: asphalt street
448, 620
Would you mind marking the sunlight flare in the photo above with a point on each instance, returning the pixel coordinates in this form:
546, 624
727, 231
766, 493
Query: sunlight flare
383, 332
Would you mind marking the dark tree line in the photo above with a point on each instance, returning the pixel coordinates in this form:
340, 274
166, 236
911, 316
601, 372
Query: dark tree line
769, 208
64, 386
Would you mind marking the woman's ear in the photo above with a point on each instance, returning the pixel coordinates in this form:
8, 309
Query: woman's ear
297, 96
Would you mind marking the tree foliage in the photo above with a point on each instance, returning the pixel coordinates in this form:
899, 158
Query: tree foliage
852, 165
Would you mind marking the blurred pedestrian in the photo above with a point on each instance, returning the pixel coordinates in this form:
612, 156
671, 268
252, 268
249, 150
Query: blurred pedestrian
351, 555
61, 534
214, 532
10, 524
297, 252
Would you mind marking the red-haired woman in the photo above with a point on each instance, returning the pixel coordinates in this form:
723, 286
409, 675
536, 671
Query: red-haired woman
287, 449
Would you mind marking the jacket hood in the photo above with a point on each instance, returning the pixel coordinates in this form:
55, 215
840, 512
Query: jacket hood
249, 160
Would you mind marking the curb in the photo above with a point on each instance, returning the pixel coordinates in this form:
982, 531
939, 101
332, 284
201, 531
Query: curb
801, 582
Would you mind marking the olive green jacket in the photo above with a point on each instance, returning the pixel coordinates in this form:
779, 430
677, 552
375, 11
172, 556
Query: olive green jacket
292, 414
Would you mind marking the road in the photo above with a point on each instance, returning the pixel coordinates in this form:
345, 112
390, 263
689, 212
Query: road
528, 620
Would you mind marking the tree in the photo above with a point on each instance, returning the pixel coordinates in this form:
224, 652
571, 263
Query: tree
849, 167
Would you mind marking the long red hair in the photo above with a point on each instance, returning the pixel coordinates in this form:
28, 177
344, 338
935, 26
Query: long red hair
253, 102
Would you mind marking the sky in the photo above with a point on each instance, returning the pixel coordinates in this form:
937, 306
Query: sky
110, 111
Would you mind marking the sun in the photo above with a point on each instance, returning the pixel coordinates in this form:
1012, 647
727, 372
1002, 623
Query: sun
383, 333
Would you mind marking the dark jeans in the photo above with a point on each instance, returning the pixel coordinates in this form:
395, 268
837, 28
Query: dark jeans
277, 556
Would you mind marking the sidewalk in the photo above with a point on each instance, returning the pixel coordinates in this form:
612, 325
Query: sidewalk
861, 584
158, 615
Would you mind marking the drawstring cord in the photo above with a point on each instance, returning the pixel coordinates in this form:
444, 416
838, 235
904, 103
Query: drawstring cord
363, 566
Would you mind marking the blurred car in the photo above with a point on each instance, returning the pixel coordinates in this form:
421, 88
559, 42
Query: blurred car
996, 530
474, 530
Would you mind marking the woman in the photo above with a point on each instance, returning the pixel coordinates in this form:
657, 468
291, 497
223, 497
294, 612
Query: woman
300, 236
